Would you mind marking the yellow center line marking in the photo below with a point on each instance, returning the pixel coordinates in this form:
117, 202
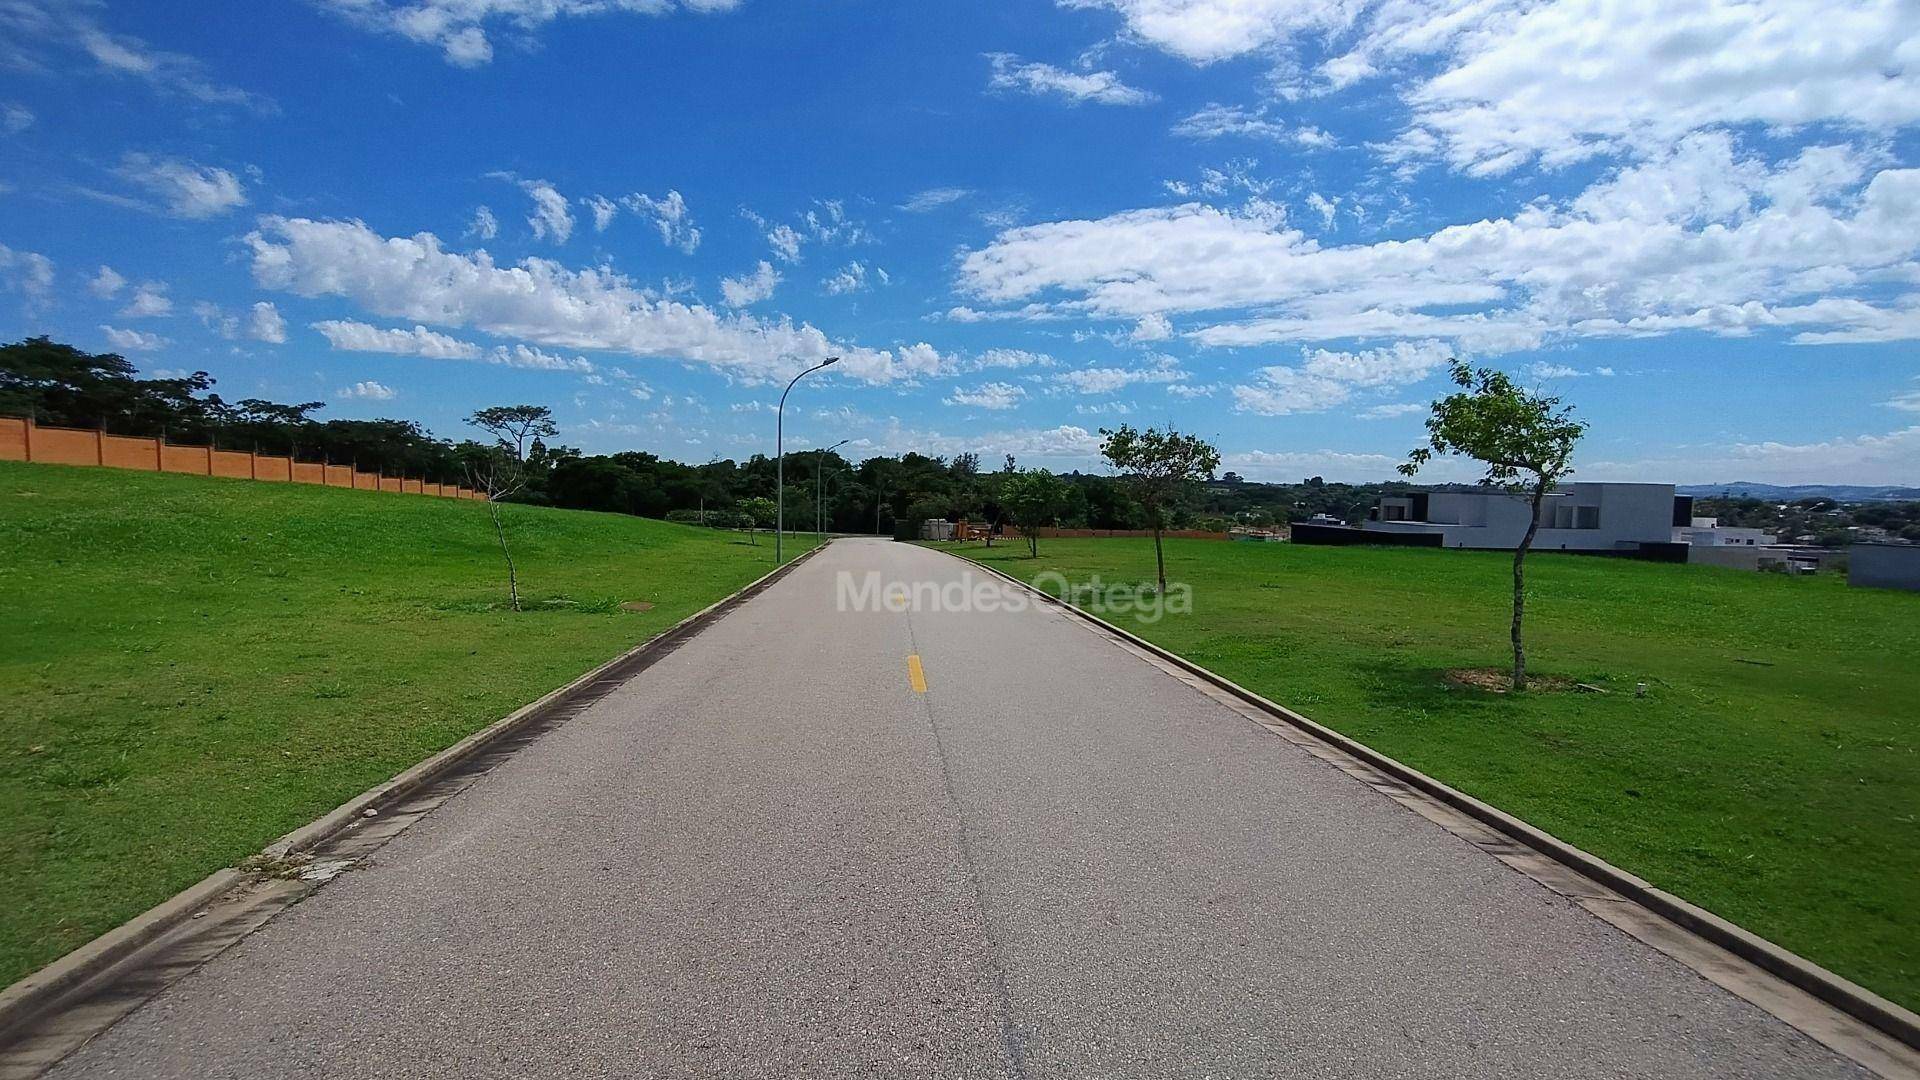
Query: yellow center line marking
916, 675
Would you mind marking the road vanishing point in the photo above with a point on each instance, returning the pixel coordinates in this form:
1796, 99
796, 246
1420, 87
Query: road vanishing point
822, 843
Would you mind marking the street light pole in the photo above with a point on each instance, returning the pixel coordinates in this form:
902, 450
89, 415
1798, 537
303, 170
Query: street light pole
819, 487
780, 456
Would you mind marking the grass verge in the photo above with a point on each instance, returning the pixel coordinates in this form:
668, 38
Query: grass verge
193, 667
1771, 774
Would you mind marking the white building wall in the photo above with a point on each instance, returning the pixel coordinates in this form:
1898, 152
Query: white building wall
1629, 514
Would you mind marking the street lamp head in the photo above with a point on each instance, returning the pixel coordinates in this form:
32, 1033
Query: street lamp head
830, 361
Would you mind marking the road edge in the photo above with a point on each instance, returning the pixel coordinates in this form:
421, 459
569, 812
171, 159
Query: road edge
1835, 990
33, 997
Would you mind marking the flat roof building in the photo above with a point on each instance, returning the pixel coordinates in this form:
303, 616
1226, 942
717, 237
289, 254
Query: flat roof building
1597, 517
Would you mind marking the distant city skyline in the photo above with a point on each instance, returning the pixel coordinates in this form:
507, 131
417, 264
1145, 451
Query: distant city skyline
1269, 222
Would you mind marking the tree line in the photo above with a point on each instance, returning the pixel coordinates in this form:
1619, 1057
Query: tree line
59, 385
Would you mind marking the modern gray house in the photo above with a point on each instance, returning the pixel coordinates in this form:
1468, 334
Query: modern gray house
1627, 519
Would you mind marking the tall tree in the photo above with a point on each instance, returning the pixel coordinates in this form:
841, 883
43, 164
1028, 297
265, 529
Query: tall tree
500, 471
515, 426
1524, 439
1033, 498
1159, 468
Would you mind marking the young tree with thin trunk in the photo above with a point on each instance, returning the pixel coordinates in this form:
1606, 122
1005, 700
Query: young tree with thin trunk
1525, 440
1033, 499
1158, 468
501, 471
759, 513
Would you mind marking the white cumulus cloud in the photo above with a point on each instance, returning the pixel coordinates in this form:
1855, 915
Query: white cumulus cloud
265, 323
368, 391
1103, 87
750, 288
185, 189
350, 336
106, 283
133, 340
149, 301
992, 395
670, 215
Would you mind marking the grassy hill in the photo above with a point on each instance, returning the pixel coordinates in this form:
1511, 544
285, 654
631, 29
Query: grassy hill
194, 666
1771, 774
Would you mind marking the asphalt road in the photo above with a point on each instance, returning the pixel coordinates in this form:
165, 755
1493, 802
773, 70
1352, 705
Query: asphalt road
770, 855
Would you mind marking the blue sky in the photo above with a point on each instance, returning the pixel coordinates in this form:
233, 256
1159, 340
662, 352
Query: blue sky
1267, 221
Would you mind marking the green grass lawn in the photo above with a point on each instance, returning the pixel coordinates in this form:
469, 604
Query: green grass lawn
1770, 774
192, 667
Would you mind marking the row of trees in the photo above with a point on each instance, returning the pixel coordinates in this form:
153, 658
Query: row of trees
59, 385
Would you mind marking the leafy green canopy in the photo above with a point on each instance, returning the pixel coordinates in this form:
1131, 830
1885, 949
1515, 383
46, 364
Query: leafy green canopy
1512, 430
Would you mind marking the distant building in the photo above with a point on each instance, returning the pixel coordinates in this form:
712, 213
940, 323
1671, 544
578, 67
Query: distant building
1616, 518
1705, 532
1884, 566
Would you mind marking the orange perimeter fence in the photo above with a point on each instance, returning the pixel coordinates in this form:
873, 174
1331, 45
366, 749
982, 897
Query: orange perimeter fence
24, 440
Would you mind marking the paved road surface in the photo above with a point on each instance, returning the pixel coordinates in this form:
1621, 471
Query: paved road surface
770, 856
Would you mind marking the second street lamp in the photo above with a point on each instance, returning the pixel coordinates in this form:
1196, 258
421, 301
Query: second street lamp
780, 456
819, 488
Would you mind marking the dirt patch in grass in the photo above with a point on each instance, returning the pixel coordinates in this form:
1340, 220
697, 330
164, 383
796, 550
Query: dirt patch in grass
636, 605
1496, 681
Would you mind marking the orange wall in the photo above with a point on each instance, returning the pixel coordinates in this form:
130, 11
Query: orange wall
125, 453
186, 459
65, 446
23, 440
273, 468
233, 463
13, 439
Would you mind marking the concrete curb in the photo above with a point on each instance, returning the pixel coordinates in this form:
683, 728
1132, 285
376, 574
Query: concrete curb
42, 991
1841, 993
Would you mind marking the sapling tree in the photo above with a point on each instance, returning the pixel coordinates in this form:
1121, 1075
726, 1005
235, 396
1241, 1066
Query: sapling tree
995, 508
500, 471
1033, 499
759, 513
1159, 468
1525, 440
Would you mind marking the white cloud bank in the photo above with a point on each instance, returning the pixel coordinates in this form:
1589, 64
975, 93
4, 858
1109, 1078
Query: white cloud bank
1700, 238
541, 301
1494, 84
459, 28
